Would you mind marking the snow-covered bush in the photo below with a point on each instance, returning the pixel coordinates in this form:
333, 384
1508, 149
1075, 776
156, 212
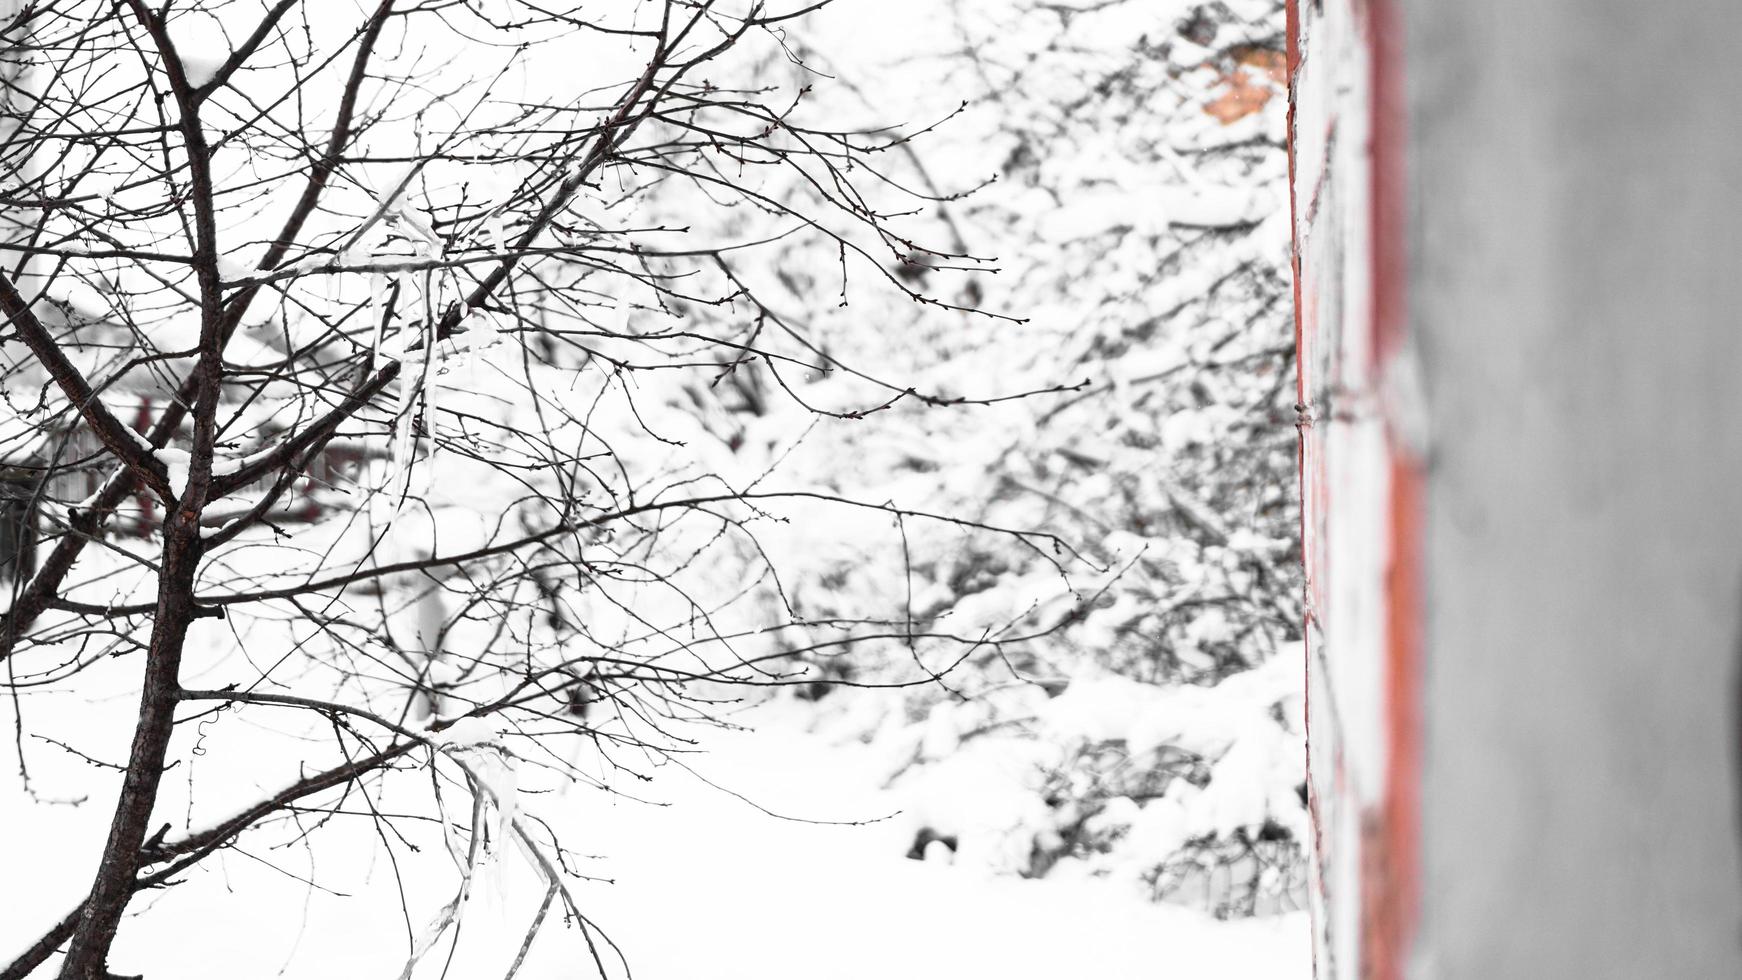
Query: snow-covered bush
1126, 164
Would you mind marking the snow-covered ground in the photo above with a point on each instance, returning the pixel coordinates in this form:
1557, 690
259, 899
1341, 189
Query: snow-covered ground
747, 895
706, 887
878, 923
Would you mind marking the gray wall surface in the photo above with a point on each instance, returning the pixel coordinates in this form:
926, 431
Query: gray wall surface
1576, 291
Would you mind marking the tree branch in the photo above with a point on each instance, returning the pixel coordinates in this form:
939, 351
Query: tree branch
121, 441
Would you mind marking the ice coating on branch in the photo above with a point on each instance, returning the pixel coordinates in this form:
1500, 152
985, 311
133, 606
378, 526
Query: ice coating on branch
468, 731
176, 461
476, 745
202, 67
232, 269
377, 313
200, 46
497, 231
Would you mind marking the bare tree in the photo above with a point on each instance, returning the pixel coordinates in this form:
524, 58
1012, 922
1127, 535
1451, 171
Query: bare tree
343, 334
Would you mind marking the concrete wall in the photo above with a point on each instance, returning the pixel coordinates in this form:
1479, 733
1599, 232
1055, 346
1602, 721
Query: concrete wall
1523, 485
1576, 295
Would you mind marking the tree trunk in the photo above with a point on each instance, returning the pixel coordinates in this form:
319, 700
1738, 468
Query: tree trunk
88, 952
